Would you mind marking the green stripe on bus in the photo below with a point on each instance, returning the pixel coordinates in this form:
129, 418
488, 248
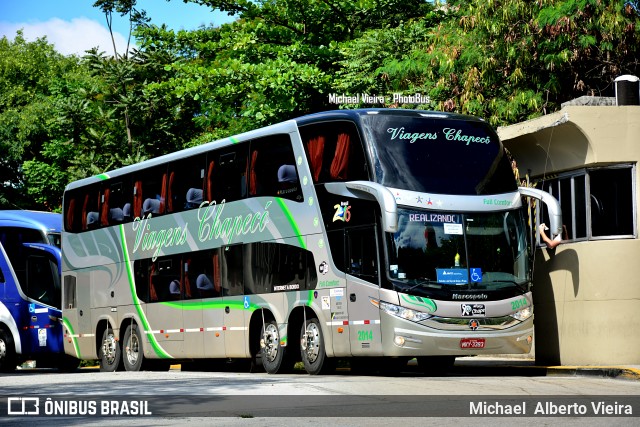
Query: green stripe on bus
292, 222
103, 176
145, 324
208, 305
74, 341
234, 140
310, 298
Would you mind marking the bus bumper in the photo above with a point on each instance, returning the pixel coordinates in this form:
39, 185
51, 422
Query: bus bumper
405, 338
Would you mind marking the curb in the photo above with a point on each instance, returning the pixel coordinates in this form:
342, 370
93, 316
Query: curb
597, 371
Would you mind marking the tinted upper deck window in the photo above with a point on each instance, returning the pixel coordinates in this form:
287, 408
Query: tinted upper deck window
438, 155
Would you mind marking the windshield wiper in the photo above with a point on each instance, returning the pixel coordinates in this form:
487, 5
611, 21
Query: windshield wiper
424, 281
521, 286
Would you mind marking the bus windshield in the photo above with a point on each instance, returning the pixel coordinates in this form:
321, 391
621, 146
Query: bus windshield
435, 155
459, 251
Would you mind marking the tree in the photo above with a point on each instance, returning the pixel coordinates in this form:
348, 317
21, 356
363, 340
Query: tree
29, 73
511, 60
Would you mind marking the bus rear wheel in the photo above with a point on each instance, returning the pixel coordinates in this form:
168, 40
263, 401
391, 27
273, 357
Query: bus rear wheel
8, 359
274, 356
110, 352
312, 350
133, 355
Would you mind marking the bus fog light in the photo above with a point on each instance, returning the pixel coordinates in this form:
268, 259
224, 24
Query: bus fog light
399, 341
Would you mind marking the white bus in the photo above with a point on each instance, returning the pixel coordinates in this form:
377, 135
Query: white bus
382, 234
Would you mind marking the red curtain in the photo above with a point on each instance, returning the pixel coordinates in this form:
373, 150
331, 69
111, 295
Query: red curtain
209, 182
104, 214
187, 282
340, 164
253, 177
71, 215
315, 147
163, 193
153, 296
170, 193
137, 200
216, 273
84, 211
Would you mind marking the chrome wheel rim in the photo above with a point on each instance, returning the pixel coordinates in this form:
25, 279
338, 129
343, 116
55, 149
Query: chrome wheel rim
312, 341
271, 342
133, 350
109, 349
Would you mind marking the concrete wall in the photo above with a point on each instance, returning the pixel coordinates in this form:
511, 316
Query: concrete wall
586, 294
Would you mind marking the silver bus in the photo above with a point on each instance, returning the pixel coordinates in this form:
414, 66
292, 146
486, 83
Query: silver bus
377, 234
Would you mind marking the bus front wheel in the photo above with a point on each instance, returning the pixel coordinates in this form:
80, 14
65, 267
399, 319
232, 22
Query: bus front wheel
132, 350
314, 356
110, 352
8, 358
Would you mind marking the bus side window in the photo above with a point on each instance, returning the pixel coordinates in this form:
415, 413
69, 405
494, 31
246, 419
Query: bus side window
91, 208
142, 270
150, 192
186, 183
202, 275
272, 171
113, 205
232, 270
362, 254
334, 153
43, 282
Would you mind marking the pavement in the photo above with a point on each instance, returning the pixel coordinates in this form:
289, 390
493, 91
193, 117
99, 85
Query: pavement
526, 365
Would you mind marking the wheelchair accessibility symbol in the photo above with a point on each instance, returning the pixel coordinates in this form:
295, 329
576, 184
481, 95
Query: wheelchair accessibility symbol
246, 302
476, 275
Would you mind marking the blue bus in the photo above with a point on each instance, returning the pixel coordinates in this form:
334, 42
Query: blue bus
30, 295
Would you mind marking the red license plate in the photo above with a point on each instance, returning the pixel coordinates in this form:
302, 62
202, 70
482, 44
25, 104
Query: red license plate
472, 343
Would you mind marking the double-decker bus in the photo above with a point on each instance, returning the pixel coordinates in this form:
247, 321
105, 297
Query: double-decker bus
30, 294
381, 234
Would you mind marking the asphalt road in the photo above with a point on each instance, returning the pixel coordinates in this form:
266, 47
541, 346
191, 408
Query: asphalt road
471, 393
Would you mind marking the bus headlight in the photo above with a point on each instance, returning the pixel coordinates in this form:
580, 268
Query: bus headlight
401, 312
523, 314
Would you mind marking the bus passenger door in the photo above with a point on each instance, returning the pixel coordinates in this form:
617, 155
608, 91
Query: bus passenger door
164, 310
205, 287
76, 310
234, 300
42, 286
362, 287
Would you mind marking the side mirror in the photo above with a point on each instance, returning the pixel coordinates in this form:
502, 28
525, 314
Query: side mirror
553, 207
370, 191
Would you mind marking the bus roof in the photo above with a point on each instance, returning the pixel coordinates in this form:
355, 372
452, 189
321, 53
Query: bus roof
45, 221
282, 127
355, 114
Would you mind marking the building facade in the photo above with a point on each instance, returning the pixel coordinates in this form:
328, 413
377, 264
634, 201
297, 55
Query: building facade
586, 290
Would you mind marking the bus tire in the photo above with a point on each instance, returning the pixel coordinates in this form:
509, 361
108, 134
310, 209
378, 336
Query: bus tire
110, 352
68, 364
312, 350
274, 356
132, 353
8, 357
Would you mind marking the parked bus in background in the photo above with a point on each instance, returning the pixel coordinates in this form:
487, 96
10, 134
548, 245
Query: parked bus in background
380, 235
30, 294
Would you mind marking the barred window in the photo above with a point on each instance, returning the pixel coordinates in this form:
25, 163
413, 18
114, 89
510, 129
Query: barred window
596, 202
